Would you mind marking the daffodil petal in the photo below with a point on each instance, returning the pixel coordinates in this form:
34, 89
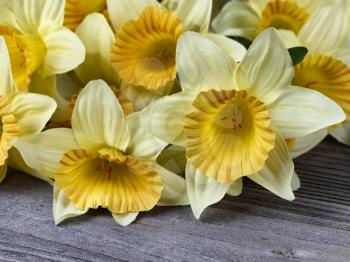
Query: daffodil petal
32, 111
142, 144
277, 174
7, 84
142, 97
236, 188
3, 172
174, 159
174, 192
289, 38
125, 219
202, 190
237, 19
164, 117
306, 143
44, 151
16, 162
300, 111
195, 15
342, 134
32, 15
65, 51
63, 208
327, 29
121, 11
295, 182
98, 47
234, 49
98, 120
202, 64
267, 69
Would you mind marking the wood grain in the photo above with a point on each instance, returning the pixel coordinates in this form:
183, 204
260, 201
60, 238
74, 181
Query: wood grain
257, 226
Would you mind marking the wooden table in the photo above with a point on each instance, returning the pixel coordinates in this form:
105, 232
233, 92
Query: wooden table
256, 226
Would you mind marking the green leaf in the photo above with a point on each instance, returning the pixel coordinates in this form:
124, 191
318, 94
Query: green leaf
297, 54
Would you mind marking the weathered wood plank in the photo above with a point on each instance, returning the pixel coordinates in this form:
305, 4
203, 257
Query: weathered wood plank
256, 226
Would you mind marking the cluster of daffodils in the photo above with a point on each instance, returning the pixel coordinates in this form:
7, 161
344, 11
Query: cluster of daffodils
131, 104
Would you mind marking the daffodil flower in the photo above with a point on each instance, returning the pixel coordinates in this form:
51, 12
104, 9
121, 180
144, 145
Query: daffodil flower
137, 53
233, 119
20, 113
105, 160
249, 18
76, 10
326, 68
40, 46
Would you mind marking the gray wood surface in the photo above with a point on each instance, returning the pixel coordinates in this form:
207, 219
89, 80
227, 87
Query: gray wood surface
256, 226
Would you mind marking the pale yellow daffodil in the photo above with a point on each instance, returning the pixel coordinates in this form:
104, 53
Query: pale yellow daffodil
248, 18
106, 160
141, 59
233, 118
326, 68
21, 113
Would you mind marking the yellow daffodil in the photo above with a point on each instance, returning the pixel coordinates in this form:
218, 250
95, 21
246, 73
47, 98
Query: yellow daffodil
21, 113
37, 41
106, 160
249, 18
76, 10
137, 53
233, 119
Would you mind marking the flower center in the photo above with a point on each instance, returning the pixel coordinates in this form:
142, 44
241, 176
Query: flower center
283, 15
228, 134
27, 54
9, 129
326, 75
76, 10
144, 53
108, 179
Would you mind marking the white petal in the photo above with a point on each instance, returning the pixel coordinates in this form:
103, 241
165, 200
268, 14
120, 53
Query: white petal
7, 84
327, 29
258, 5
289, 38
295, 182
141, 97
33, 15
267, 67
121, 11
306, 143
63, 208
65, 51
164, 117
32, 111
142, 144
202, 64
174, 192
342, 134
237, 19
302, 111
98, 46
125, 219
236, 188
44, 151
98, 120
234, 49
202, 190
68, 85
194, 14
278, 171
